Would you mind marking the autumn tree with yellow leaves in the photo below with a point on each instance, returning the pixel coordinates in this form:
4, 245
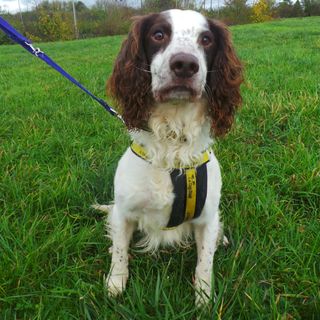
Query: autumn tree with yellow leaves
261, 11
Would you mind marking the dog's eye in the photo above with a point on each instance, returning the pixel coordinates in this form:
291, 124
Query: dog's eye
205, 41
158, 36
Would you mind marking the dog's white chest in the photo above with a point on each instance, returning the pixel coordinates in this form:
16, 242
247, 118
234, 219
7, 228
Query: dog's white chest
145, 192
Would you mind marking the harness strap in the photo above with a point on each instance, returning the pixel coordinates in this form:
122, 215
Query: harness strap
189, 187
191, 193
141, 152
190, 190
27, 44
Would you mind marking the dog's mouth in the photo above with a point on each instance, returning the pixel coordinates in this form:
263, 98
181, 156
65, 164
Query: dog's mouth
176, 92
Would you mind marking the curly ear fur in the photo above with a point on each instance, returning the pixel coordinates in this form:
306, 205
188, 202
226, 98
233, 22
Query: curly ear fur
130, 81
223, 82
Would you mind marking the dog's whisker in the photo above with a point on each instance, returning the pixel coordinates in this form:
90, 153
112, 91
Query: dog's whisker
141, 69
208, 91
146, 64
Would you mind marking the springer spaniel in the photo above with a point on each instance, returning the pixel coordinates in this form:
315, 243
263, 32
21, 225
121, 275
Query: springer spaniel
177, 82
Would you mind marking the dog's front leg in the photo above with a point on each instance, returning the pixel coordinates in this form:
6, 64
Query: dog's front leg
121, 231
206, 237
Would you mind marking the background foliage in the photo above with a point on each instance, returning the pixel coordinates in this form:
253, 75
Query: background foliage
50, 21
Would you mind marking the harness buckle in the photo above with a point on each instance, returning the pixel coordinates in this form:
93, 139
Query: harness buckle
35, 51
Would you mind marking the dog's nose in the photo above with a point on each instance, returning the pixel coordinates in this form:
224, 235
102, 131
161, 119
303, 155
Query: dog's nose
184, 65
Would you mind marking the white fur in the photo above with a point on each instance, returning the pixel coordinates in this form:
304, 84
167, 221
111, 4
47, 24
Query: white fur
186, 27
143, 192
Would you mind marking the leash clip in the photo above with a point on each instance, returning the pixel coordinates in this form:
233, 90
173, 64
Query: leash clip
35, 51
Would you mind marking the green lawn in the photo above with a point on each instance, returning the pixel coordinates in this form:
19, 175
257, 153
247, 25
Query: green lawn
58, 154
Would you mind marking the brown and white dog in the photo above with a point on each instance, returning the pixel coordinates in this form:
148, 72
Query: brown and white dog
177, 82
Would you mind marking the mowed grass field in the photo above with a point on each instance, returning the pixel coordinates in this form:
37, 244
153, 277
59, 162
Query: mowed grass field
58, 154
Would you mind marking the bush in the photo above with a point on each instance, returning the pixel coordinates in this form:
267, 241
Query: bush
54, 26
235, 12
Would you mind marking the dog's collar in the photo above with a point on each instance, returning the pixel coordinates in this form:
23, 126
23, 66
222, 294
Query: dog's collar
141, 152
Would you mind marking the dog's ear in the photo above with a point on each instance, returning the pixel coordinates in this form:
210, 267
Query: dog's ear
223, 80
130, 82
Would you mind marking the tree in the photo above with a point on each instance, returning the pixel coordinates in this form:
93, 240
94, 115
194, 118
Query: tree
236, 11
311, 7
285, 9
261, 11
161, 5
80, 6
297, 10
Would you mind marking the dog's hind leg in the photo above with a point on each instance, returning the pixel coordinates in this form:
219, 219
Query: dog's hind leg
120, 230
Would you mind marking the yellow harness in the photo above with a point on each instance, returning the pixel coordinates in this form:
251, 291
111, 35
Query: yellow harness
189, 187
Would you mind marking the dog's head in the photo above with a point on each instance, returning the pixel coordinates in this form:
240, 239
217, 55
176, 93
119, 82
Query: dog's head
177, 55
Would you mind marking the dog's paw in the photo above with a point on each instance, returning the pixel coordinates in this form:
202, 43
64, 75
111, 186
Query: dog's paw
202, 292
116, 283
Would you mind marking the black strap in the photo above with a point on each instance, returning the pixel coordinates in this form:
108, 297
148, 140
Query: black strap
178, 179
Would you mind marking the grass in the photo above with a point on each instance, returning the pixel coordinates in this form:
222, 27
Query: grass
58, 154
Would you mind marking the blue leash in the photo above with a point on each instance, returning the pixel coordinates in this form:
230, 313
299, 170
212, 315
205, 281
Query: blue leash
27, 44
